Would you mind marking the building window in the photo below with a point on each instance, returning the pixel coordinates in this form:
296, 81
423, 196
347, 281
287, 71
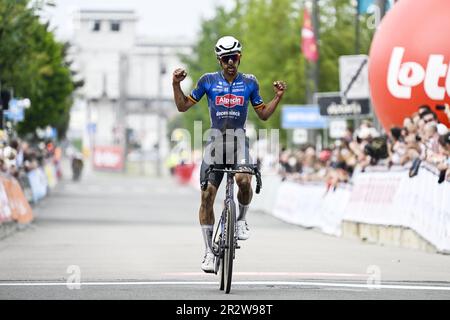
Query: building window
115, 26
97, 26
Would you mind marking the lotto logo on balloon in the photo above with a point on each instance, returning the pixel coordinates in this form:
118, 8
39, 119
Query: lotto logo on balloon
403, 76
409, 61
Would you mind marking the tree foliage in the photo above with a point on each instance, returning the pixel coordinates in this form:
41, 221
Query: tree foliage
270, 31
34, 65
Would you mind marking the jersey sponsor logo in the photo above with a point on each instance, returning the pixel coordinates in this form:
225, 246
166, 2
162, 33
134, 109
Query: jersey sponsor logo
228, 114
229, 101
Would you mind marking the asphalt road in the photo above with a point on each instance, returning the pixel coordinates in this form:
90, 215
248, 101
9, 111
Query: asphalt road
138, 238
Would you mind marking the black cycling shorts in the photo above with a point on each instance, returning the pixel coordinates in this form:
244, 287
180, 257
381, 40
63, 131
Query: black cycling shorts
232, 153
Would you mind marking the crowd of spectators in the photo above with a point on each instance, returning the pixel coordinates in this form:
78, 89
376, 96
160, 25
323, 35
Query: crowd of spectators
421, 139
18, 157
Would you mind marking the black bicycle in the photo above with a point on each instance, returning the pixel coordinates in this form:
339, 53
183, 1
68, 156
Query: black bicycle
224, 237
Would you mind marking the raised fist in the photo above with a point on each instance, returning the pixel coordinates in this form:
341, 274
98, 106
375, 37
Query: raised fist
279, 87
179, 75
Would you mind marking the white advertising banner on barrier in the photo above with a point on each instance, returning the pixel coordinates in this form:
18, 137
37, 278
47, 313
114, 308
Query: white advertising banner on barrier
392, 198
309, 205
333, 210
374, 198
387, 198
426, 207
288, 202
265, 200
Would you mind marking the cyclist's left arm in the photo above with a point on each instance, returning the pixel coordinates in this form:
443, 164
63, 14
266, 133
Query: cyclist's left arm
264, 111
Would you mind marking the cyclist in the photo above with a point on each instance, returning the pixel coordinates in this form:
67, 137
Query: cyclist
228, 92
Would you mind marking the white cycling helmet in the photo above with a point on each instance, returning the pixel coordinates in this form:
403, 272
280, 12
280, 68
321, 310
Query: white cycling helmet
226, 45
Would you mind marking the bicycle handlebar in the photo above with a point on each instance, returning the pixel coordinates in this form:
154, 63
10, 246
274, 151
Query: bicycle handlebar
254, 171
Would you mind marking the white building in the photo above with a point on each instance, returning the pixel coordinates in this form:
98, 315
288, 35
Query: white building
127, 81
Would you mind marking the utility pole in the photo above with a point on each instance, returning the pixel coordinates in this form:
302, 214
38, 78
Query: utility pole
5, 97
316, 28
382, 5
121, 112
357, 30
315, 11
159, 113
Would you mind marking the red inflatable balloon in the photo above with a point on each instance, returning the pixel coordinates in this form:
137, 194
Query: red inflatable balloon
409, 61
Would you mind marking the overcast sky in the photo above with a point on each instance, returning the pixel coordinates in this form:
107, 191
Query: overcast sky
166, 18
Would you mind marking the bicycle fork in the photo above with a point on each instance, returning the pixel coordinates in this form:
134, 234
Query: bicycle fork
229, 202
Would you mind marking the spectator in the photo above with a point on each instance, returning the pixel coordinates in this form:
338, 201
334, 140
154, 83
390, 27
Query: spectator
421, 138
348, 135
397, 149
424, 109
444, 154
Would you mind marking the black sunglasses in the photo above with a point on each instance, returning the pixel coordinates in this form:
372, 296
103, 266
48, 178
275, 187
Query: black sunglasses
234, 57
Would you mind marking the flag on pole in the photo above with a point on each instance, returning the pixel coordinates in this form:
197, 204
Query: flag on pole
309, 43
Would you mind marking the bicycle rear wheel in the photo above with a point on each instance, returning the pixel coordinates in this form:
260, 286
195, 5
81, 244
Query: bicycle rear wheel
228, 255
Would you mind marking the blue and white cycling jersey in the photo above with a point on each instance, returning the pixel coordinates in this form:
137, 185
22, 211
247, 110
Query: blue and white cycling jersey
228, 102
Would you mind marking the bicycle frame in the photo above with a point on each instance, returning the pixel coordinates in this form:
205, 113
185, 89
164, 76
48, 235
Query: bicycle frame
229, 195
225, 243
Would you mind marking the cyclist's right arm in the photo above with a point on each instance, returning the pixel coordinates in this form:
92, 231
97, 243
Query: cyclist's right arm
183, 103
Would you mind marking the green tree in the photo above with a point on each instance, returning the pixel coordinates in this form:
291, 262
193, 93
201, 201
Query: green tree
35, 66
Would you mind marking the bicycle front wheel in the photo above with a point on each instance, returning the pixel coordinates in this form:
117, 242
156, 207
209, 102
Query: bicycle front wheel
228, 256
222, 274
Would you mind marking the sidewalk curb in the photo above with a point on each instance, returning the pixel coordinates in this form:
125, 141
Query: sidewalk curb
387, 236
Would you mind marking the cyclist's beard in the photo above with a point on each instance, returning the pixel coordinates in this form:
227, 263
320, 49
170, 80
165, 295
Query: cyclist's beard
231, 69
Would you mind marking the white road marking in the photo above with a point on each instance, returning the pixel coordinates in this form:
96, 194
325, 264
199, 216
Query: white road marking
237, 283
275, 274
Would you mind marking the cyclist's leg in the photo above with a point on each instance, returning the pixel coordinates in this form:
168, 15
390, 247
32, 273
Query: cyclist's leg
245, 192
243, 180
206, 215
206, 212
